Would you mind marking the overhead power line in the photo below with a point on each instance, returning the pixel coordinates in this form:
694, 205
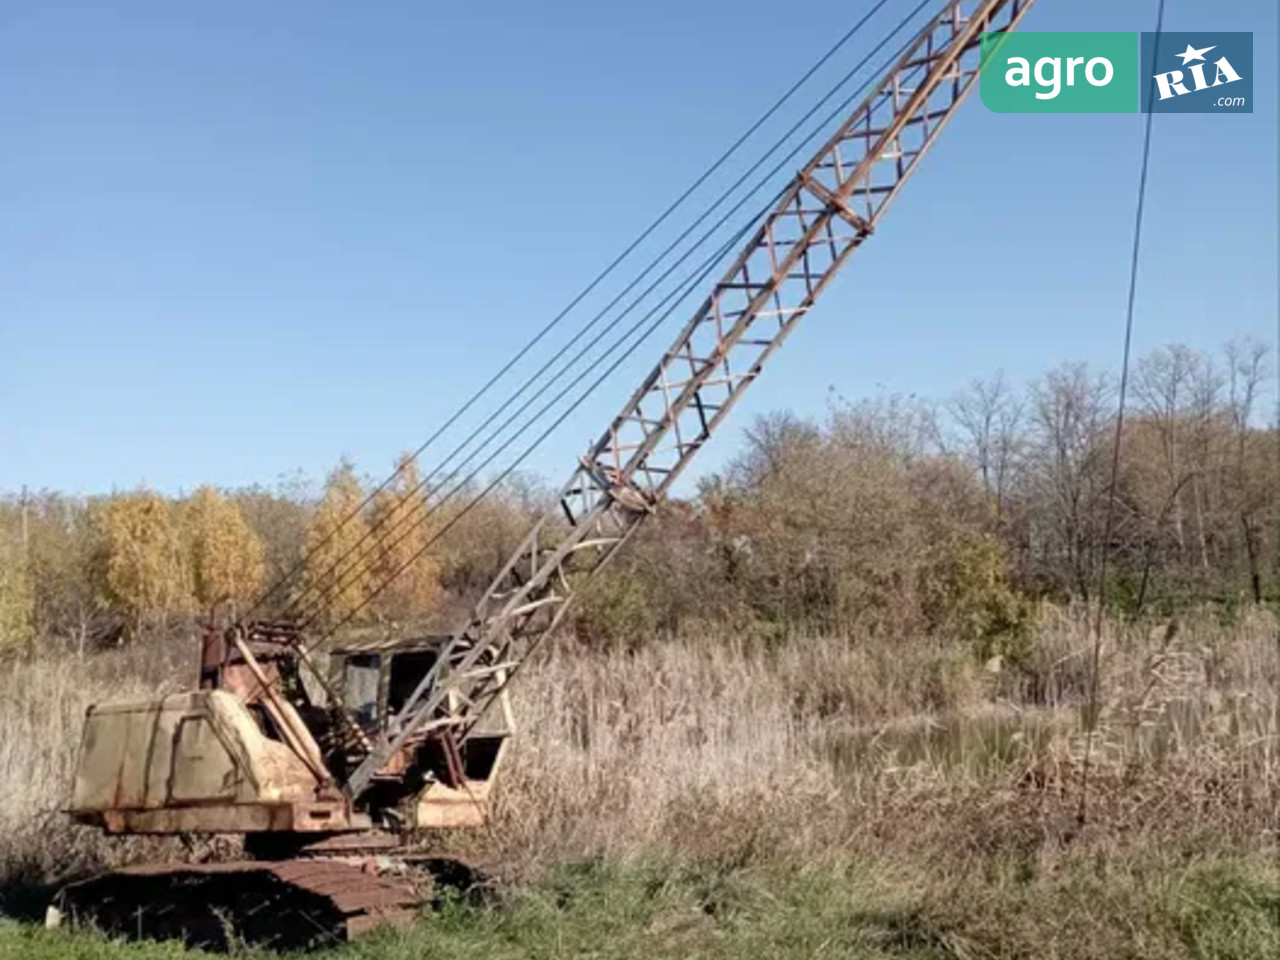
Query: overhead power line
1108, 524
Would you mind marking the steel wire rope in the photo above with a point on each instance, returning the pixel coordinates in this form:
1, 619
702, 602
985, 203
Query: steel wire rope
690, 286
419, 517
320, 587
777, 105
682, 291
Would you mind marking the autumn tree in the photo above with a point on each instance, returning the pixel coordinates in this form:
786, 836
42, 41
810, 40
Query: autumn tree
63, 549
1251, 490
403, 527
17, 604
1168, 413
279, 519
858, 524
482, 539
337, 575
141, 570
225, 555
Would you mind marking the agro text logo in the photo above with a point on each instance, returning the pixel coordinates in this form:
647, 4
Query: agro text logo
1025, 72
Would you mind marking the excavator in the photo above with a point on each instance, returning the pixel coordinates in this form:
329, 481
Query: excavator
329, 763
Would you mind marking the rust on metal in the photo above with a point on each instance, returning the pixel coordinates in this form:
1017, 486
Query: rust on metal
298, 904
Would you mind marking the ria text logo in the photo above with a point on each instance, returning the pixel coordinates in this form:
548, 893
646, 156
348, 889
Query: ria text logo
1199, 72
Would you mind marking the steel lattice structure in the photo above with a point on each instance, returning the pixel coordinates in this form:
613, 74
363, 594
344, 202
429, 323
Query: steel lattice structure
831, 207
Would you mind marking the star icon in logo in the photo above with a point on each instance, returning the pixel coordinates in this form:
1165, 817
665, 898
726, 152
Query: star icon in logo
1191, 53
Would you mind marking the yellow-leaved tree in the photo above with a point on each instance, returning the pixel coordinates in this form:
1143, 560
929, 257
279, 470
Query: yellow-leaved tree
17, 598
225, 554
141, 571
402, 525
336, 576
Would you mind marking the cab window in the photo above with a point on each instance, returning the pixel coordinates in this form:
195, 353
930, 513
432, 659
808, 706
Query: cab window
360, 676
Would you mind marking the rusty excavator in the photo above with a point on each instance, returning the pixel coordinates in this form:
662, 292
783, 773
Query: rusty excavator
328, 759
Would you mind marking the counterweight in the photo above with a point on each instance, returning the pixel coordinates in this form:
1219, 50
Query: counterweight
834, 203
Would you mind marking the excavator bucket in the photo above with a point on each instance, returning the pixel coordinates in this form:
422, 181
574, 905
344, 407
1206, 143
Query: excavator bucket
466, 804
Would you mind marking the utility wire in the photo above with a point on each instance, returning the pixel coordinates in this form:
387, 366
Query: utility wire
555, 321
322, 588
1109, 518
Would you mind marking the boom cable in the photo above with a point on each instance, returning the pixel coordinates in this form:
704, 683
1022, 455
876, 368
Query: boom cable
673, 297
690, 286
777, 105
320, 586
413, 518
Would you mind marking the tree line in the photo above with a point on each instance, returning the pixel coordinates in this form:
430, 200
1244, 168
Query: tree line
899, 516
944, 518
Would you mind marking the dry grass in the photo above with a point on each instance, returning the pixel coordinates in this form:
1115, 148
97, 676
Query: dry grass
829, 745
42, 705
956, 784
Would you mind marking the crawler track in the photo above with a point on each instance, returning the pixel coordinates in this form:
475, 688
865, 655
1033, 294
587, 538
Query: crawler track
298, 904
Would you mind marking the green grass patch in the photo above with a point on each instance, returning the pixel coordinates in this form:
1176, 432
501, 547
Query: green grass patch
27, 942
1087, 907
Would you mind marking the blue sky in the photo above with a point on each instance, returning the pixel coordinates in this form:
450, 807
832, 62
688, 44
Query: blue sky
245, 239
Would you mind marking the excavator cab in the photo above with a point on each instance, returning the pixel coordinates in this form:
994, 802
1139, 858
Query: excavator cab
374, 678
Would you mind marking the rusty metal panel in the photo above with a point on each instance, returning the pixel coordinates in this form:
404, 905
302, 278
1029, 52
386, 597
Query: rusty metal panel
302, 817
193, 755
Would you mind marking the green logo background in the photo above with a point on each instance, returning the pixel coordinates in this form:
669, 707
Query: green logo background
1119, 95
